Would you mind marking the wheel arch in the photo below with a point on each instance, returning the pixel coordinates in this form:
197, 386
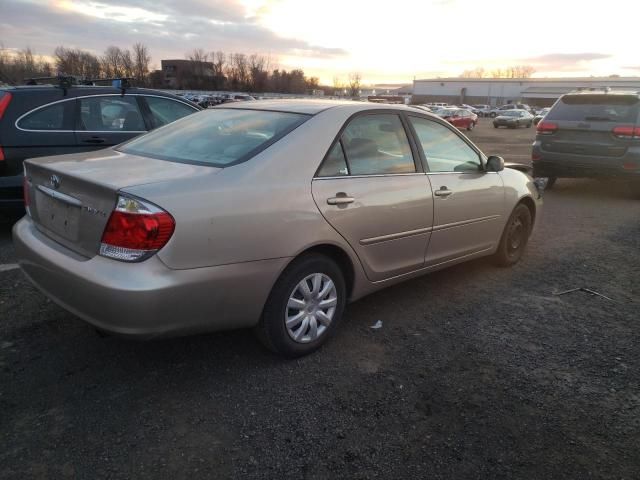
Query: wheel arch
531, 205
340, 256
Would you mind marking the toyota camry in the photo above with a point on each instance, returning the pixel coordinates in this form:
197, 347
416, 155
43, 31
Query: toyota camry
268, 214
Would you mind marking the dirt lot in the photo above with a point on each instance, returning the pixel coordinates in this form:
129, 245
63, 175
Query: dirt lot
478, 372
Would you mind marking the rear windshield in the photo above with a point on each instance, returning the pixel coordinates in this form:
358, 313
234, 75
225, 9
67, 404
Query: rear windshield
596, 108
217, 137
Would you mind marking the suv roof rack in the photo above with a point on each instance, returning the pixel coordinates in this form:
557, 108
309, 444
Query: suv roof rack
67, 81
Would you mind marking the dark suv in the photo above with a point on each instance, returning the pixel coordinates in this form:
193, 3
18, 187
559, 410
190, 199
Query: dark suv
590, 134
42, 120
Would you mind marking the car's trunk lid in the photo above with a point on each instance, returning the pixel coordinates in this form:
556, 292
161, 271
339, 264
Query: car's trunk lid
72, 196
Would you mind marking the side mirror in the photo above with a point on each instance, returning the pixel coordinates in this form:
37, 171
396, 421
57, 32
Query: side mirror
495, 164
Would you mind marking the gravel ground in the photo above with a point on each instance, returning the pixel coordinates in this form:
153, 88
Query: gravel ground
477, 372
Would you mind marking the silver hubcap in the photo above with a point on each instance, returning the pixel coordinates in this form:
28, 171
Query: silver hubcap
311, 307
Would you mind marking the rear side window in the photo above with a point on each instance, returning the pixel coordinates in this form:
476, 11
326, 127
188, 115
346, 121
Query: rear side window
165, 110
377, 144
217, 137
335, 165
110, 114
47, 118
595, 108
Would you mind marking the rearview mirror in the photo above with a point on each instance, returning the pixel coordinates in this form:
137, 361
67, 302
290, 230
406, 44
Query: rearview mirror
495, 164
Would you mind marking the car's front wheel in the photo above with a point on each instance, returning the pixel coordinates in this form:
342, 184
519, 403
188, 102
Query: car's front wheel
514, 237
305, 306
470, 126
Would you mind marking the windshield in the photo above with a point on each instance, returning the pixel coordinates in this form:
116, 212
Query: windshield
216, 137
510, 113
447, 112
596, 108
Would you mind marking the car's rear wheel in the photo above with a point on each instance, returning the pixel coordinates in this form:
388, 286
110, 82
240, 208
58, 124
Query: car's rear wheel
551, 181
634, 188
495, 126
492, 115
305, 306
515, 237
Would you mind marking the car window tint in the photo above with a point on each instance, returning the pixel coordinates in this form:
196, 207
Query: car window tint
377, 144
218, 137
596, 108
47, 118
165, 110
335, 164
444, 150
110, 114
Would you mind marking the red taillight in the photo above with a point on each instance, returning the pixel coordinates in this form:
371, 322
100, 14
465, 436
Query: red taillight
136, 230
5, 99
1, 154
535, 157
547, 128
626, 131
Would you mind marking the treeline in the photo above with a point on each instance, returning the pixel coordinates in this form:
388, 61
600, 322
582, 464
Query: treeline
515, 71
238, 71
201, 70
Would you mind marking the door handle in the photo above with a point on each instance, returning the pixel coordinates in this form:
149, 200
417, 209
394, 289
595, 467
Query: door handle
443, 192
94, 140
340, 199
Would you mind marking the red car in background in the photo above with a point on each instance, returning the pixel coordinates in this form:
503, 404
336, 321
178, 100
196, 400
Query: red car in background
459, 117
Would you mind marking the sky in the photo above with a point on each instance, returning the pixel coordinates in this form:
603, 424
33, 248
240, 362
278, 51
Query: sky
385, 41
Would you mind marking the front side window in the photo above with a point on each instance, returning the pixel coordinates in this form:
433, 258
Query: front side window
165, 110
217, 137
376, 145
47, 118
444, 150
110, 114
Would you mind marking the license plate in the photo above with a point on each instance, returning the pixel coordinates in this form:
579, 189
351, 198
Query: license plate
58, 216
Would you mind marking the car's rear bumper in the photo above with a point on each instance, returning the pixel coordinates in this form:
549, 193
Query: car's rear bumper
145, 299
573, 168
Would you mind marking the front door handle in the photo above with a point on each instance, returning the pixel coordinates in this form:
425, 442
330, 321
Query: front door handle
443, 192
340, 199
94, 140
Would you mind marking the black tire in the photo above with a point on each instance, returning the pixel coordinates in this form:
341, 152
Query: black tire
514, 238
529, 124
272, 330
551, 181
471, 125
495, 126
493, 115
634, 188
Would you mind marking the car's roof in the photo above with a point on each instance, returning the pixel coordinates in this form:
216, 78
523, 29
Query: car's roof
311, 107
632, 93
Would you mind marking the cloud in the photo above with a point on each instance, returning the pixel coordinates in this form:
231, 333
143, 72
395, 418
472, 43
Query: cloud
168, 28
563, 61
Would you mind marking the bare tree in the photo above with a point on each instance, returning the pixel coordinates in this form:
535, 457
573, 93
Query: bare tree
141, 60
338, 86
219, 66
477, 72
354, 84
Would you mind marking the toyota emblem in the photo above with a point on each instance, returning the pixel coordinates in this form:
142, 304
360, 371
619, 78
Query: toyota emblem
55, 181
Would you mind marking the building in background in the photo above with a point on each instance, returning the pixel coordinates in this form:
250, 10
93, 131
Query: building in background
541, 92
178, 73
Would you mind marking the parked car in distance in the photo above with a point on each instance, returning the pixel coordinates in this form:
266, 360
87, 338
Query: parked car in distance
513, 119
43, 120
590, 134
540, 115
510, 106
436, 104
481, 110
459, 117
193, 227
236, 97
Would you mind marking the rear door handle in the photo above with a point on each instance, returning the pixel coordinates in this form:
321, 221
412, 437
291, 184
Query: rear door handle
340, 199
443, 192
94, 140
